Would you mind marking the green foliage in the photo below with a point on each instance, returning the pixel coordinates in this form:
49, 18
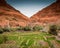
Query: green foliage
6, 29
16, 29
2, 39
13, 29
27, 28
27, 40
58, 41
1, 30
58, 27
50, 44
37, 28
20, 28
53, 30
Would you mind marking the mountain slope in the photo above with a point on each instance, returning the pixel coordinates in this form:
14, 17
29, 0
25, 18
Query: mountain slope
9, 16
49, 15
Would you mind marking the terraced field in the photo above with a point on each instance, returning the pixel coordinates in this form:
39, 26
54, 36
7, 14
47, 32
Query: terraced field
28, 40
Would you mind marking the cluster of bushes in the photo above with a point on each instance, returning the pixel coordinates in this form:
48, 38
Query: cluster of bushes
53, 29
37, 28
27, 28
58, 27
4, 29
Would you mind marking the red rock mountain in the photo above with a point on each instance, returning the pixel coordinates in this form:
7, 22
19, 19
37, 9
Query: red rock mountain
48, 15
9, 16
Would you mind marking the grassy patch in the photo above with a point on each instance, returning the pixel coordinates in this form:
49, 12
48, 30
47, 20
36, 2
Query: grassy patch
28, 39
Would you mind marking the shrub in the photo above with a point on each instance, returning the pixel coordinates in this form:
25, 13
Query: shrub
53, 30
6, 29
37, 28
58, 28
13, 29
1, 30
3, 39
20, 28
27, 28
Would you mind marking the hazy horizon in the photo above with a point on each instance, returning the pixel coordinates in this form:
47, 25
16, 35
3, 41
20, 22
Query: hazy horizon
29, 7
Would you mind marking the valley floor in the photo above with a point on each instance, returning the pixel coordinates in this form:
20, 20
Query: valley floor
28, 40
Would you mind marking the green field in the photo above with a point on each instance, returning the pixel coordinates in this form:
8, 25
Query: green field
28, 40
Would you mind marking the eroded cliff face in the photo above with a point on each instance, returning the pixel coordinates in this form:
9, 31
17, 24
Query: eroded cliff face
48, 15
9, 16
